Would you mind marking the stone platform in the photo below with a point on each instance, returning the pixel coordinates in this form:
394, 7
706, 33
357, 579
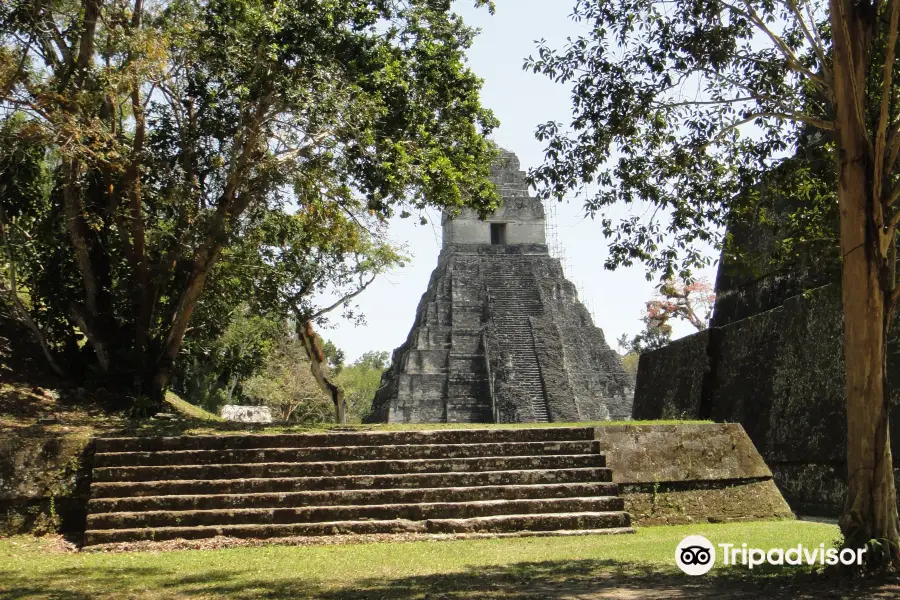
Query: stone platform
428, 482
456, 482
690, 473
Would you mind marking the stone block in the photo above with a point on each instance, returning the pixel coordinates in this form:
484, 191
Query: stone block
427, 361
679, 453
247, 414
690, 473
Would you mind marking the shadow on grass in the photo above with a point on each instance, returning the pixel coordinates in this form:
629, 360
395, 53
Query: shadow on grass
554, 580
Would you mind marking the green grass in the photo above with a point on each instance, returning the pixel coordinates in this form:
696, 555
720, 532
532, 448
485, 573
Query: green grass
494, 568
192, 411
216, 426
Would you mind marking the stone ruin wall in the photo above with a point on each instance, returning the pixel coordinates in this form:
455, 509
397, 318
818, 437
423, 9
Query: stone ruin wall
780, 374
772, 359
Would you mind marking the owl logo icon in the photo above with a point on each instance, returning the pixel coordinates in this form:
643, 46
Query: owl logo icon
695, 555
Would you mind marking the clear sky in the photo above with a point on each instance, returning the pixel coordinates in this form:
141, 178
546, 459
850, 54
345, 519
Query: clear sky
521, 100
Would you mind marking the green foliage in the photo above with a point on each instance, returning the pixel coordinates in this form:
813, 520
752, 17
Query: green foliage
286, 385
630, 360
334, 356
788, 223
360, 381
210, 371
654, 336
161, 168
660, 96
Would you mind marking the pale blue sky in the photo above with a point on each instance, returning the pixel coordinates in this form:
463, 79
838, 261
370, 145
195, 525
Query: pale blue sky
521, 100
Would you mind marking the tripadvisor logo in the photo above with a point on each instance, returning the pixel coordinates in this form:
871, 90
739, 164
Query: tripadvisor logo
696, 555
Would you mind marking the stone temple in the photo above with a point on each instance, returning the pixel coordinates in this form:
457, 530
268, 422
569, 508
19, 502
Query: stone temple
500, 336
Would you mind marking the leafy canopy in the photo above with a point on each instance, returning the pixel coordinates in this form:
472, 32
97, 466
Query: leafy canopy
662, 96
166, 161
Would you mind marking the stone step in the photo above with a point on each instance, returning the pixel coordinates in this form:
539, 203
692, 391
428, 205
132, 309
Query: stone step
471, 417
340, 453
362, 467
306, 440
469, 403
539, 408
351, 497
466, 377
349, 482
381, 512
513, 304
612, 522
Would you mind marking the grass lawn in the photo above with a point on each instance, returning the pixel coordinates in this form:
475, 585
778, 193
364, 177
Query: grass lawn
624, 566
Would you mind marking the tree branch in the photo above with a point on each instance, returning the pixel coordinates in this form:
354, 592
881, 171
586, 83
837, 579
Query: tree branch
79, 67
814, 40
881, 169
343, 300
13, 295
786, 116
227, 211
793, 62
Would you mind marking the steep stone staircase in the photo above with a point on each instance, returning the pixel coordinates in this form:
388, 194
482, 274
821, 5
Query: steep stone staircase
477, 481
514, 298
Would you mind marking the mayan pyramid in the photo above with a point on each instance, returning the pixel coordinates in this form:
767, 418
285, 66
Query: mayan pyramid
499, 335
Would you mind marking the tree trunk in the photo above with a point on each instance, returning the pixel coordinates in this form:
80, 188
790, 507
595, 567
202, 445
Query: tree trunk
871, 506
316, 359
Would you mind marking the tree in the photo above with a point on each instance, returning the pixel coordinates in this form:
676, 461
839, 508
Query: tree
692, 302
286, 385
687, 301
360, 380
654, 336
663, 93
174, 148
210, 372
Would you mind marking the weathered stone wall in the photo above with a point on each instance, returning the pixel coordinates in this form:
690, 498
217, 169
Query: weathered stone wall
559, 386
43, 482
473, 231
755, 272
523, 215
577, 350
670, 380
780, 374
690, 473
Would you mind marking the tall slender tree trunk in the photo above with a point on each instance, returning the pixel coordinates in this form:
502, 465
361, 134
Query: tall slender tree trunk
316, 360
871, 506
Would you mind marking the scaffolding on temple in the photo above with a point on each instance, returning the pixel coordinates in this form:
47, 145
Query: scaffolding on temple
558, 251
